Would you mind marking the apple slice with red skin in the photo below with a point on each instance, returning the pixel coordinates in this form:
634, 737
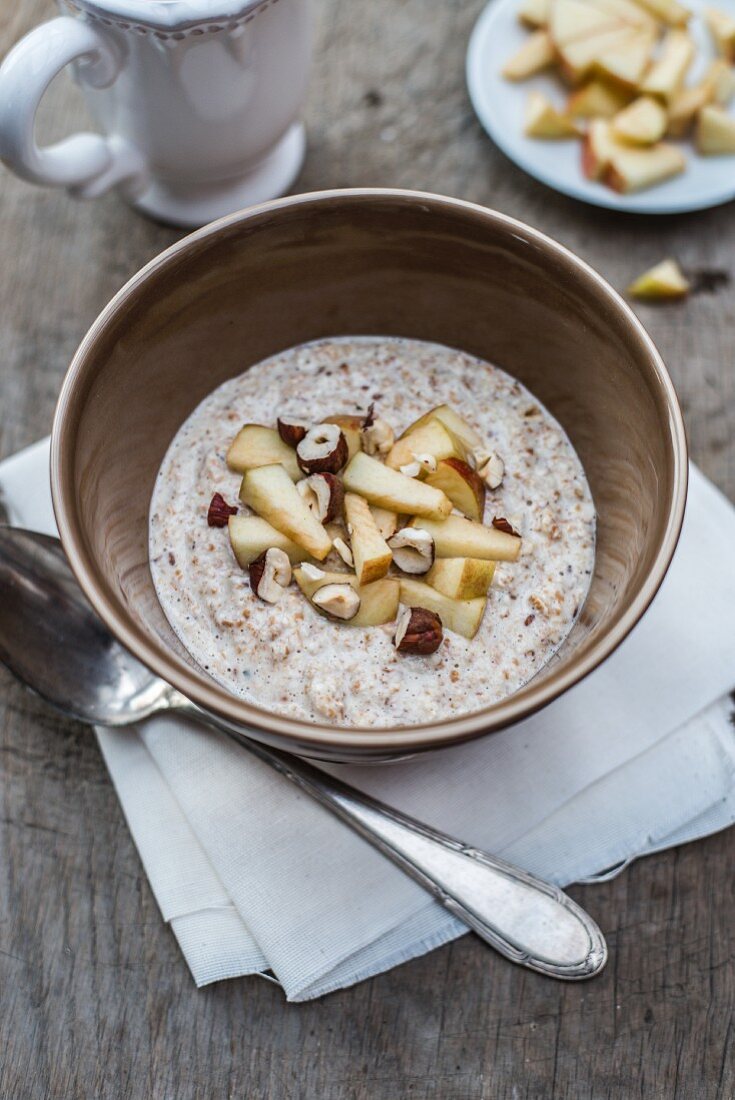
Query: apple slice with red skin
464, 487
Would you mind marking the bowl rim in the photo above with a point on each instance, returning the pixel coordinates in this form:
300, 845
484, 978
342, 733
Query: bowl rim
322, 736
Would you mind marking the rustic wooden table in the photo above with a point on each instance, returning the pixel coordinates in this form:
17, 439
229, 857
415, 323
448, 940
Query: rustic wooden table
95, 1000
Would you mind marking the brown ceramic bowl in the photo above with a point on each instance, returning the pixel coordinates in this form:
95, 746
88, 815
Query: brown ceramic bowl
366, 262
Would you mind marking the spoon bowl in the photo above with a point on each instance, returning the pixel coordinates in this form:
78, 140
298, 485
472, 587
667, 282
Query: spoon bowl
52, 641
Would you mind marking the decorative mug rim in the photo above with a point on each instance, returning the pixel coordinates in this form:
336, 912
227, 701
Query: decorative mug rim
169, 19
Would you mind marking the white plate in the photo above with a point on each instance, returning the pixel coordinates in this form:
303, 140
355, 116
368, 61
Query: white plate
500, 104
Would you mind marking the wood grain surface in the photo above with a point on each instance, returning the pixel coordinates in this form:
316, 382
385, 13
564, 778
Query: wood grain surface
95, 999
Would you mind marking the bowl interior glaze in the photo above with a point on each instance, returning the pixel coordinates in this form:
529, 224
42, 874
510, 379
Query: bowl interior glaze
366, 262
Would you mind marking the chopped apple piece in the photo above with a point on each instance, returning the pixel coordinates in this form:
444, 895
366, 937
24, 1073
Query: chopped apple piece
255, 446
578, 57
642, 123
534, 13
543, 120
635, 169
536, 54
715, 132
378, 601
464, 487
457, 537
722, 29
388, 488
667, 73
460, 616
670, 12
386, 521
432, 438
628, 11
627, 61
251, 536
597, 99
598, 148
684, 107
371, 554
571, 20
269, 491
665, 280
351, 429
719, 80
461, 578
457, 425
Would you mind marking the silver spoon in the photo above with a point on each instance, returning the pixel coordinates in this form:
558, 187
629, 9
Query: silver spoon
54, 643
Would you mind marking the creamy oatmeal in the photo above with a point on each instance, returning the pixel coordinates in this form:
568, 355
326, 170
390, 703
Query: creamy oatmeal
291, 660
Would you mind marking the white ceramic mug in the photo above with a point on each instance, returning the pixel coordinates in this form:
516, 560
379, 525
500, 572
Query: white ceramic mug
198, 102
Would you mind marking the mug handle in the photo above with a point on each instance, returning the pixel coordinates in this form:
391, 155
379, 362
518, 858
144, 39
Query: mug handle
86, 164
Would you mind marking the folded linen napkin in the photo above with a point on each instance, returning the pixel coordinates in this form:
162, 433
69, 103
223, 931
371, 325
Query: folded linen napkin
254, 877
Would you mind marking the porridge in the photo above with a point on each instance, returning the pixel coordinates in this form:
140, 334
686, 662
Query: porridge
325, 563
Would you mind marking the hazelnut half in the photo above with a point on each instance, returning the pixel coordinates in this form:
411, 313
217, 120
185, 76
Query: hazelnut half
418, 631
339, 600
324, 494
291, 431
270, 574
413, 550
323, 450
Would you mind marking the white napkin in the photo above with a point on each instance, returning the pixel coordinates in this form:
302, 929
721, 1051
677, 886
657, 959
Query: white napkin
253, 876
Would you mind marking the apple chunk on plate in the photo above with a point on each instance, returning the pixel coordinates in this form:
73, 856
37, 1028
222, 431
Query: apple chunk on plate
543, 120
251, 536
461, 578
378, 601
667, 73
387, 488
597, 99
460, 616
634, 169
536, 53
271, 493
643, 122
457, 537
464, 487
371, 553
255, 445
715, 132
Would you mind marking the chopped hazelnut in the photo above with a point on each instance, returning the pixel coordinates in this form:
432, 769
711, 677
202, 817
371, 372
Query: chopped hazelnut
418, 631
270, 574
291, 431
377, 437
413, 550
323, 450
492, 470
339, 600
324, 494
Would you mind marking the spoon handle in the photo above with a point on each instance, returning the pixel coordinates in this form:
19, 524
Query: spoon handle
526, 919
